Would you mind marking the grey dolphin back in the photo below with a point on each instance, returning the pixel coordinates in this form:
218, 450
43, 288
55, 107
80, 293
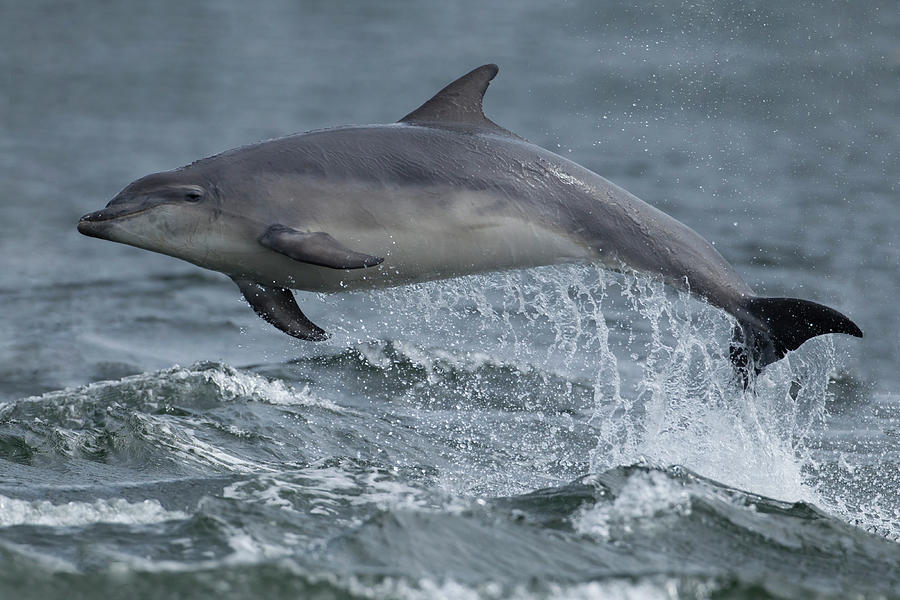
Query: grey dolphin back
460, 103
769, 328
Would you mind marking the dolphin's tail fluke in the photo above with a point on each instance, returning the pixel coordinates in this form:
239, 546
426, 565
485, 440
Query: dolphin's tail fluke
768, 328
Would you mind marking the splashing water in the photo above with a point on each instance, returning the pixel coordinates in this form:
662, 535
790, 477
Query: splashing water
664, 389
688, 408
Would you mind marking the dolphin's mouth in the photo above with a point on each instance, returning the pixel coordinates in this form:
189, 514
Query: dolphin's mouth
108, 214
96, 223
93, 224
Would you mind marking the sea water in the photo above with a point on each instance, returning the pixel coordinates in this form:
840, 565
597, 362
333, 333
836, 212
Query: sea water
556, 432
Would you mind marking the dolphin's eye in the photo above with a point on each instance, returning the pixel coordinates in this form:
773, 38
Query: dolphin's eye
193, 195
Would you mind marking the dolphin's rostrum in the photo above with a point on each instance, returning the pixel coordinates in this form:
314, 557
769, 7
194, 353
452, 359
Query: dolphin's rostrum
442, 193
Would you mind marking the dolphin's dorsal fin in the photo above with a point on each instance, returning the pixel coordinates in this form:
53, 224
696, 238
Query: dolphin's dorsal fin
460, 103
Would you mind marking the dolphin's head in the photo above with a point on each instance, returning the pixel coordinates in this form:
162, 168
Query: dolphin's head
169, 212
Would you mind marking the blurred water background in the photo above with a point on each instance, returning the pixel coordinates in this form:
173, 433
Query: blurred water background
558, 432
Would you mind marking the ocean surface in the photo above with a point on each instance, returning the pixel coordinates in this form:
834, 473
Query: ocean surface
561, 432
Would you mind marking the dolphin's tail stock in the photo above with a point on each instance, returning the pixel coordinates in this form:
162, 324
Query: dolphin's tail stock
768, 328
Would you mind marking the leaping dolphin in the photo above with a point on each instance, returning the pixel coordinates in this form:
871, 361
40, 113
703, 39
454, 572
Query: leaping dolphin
442, 193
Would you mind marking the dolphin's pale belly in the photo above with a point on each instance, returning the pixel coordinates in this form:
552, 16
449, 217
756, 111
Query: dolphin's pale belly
425, 253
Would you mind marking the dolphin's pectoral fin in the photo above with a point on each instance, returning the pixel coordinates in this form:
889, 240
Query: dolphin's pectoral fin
278, 307
316, 248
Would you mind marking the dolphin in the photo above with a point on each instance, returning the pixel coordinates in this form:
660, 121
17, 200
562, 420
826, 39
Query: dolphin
443, 192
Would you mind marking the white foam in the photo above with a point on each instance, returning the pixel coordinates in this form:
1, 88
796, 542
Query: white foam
248, 550
71, 514
229, 382
239, 384
325, 489
428, 589
185, 443
644, 498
